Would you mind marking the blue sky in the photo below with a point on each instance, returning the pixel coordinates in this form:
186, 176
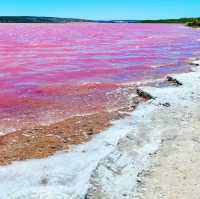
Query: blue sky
102, 9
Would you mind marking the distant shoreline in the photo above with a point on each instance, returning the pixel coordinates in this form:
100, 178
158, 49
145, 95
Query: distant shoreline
34, 19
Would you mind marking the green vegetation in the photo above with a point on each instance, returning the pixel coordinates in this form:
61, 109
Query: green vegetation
194, 23
181, 20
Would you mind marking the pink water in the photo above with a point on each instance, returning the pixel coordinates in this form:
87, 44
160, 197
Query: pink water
52, 71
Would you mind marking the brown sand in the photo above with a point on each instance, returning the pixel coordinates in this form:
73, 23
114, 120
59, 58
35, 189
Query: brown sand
42, 141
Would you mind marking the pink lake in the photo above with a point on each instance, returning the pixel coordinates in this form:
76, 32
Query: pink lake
49, 72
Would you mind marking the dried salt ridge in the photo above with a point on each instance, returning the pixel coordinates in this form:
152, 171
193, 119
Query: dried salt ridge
111, 165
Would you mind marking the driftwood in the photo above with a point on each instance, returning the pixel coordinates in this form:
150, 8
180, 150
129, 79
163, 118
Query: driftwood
144, 94
174, 81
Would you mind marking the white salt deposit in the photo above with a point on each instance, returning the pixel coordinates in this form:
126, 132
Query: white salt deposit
64, 175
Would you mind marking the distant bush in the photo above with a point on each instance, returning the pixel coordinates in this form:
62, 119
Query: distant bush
188, 21
181, 20
194, 23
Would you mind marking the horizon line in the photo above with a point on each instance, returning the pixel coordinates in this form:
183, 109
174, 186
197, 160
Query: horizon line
88, 19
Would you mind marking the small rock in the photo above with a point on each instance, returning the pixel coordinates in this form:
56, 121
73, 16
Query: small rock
174, 81
144, 94
166, 104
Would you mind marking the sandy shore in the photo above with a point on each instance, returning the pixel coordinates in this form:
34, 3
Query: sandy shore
152, 153
43, 141
175, 169
162, 161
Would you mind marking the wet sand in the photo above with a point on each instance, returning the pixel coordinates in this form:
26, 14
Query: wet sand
43, 141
